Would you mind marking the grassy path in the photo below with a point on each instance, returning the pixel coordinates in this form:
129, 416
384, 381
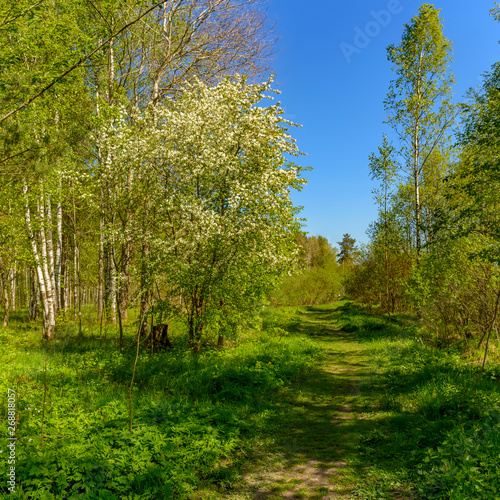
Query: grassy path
326, 419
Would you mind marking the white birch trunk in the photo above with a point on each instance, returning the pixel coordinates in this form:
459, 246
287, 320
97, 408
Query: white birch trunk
34, 295
49, 317
13, 286
50, 250
58, 262
76, 298
65, 292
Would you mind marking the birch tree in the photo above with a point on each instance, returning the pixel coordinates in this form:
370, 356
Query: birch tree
418, 101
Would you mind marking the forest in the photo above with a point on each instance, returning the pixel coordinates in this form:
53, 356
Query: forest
171, 330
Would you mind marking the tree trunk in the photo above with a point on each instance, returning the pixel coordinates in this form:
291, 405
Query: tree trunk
46, 289
144, 291
50, 251
59, 256
12, 278
62, 289
100, 285
109, 283
48, 310
124, 291
5, 295
386, 228
34, 303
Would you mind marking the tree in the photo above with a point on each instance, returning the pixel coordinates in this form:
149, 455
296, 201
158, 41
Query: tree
384, 168
418, 101
70, 70
458, 283
220, 224
36, 143
317, 279
472, 197
181, 42
348, 251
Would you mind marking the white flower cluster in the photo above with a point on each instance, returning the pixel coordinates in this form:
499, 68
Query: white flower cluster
210, 171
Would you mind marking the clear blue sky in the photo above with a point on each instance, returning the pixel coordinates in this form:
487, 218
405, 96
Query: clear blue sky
337, 95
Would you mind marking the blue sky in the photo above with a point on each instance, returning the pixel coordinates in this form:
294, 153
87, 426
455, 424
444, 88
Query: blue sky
337, 94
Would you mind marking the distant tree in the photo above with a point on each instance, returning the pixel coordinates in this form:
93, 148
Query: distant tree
318, 279
315, 251
348, 251
384, 169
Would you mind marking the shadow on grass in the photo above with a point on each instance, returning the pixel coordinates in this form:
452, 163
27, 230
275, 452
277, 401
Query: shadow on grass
340, 415
337, 415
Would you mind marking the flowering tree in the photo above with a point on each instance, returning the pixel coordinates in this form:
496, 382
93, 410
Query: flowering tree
216, 213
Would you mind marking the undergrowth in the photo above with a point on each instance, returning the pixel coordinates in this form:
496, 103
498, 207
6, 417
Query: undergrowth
426, 421
194, 416
438, 413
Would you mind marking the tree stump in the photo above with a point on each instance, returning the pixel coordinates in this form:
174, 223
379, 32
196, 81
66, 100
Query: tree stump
159, 337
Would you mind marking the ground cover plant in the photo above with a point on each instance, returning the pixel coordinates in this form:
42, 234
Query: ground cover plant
315, 402
437, 412
194, 415
383, 414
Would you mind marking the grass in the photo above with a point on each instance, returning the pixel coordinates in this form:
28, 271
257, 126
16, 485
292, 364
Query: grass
194, 416
318, 402
382, 414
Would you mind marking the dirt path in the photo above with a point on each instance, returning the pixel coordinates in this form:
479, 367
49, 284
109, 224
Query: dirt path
327, 415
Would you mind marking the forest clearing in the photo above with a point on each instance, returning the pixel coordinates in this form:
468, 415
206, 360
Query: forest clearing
176, 320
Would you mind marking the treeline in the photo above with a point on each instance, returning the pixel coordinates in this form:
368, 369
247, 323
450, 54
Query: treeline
434, 249
322, 272
138, 168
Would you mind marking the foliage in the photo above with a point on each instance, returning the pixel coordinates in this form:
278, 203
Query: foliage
219, 187
418, 102
78, 78
455, 291
369, 280
318, 279
436, 414
457, 286
472, 194
465, 465
348, 251
196, 416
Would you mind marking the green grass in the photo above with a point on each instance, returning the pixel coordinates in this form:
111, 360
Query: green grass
194, 416
328, 392
404, 420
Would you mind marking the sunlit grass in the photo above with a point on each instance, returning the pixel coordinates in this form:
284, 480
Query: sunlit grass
368, 404
194, 417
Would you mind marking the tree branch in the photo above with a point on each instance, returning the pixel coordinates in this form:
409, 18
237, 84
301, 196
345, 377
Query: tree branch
77, 64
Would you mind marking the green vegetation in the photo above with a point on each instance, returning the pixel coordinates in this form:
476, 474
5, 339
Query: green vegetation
433, 250
367, 404
383, 415
146, 219
318, 279
195, 417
